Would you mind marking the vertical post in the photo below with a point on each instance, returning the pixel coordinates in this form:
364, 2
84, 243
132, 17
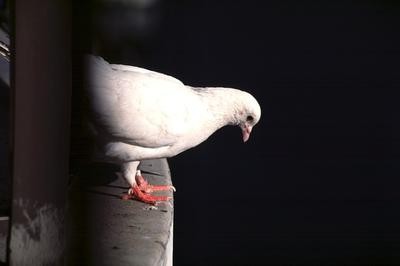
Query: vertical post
42, 88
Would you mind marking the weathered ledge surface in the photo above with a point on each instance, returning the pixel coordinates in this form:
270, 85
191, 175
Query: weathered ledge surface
3, 238
105, 230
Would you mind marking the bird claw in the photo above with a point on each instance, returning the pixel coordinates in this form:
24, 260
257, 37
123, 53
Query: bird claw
148, 188
141, 191
137, 193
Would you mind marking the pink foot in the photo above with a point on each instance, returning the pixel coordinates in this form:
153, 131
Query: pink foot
136, 193
142, 190
147, 188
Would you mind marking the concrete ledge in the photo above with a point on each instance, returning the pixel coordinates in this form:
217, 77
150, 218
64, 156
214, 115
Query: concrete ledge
105, 230
4, 223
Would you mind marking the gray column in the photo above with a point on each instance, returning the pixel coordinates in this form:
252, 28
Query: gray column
42, 86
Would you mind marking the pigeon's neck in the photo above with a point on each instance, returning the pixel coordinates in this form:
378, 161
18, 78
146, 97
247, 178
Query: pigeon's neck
224, 105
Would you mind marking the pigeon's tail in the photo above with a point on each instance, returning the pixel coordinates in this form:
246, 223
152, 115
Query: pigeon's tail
94, 59
98, 84
96, 63
97, 70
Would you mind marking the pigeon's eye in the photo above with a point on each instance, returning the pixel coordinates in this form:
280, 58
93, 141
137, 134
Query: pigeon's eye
249, 118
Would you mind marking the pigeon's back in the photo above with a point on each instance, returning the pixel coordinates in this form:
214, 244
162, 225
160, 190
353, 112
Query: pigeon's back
137, 105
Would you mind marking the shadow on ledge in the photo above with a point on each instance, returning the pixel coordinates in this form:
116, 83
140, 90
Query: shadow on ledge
103, 229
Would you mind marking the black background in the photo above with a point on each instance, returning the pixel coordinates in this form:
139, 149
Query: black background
317, 182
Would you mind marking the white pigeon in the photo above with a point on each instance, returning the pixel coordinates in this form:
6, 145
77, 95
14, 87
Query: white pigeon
138, 114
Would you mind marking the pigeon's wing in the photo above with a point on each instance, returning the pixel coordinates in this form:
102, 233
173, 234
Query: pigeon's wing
141, 107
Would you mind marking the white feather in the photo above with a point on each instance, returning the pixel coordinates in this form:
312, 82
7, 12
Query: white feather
141, 114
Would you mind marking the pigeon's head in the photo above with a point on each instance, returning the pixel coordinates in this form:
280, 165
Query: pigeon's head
249, 113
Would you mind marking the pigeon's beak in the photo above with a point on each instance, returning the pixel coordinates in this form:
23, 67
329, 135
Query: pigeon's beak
246, 130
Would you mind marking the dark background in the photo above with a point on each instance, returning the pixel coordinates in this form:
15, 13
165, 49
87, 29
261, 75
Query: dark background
318, 180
